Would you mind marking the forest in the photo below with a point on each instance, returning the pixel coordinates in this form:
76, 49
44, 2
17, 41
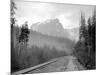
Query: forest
85, 48
24, 57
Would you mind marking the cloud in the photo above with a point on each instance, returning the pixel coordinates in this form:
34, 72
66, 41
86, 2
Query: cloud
39, 11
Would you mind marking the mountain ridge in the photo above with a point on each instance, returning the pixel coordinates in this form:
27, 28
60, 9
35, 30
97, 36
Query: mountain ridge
53, 27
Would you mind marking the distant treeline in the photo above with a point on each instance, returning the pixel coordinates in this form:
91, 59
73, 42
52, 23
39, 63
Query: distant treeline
85, 48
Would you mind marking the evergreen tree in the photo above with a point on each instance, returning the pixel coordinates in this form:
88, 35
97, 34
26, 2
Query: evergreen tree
13, 20
24, 33
82, 27
93, 30
23, 42
85, 47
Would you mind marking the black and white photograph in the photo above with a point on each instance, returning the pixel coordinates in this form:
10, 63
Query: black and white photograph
52, 37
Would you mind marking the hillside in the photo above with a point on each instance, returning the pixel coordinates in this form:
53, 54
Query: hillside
41, 40
53, 27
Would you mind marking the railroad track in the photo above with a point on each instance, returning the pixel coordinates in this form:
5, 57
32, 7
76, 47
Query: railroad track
35, 67
66, 63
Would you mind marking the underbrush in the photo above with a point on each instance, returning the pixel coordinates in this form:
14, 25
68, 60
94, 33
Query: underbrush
22, 58
86, 59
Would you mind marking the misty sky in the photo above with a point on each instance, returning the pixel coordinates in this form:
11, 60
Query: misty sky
38, 12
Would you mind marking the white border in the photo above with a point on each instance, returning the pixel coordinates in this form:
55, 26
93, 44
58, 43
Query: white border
5, 36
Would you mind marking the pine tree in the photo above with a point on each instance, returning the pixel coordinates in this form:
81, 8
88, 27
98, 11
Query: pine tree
24, 33
82, 27
13, 20
85, 47
23, 43
93, 30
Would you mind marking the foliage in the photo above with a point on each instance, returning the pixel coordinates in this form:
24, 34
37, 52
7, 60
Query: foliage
19, 39
23, 37
30, 57
85, 47
13, 20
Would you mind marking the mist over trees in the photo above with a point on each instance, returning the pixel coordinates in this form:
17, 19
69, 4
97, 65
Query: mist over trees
85, 49
23, 57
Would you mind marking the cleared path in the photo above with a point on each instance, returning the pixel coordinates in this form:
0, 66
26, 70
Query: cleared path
66, 63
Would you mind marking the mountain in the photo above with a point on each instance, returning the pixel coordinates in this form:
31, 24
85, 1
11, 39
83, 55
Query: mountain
53, 27
42, 40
